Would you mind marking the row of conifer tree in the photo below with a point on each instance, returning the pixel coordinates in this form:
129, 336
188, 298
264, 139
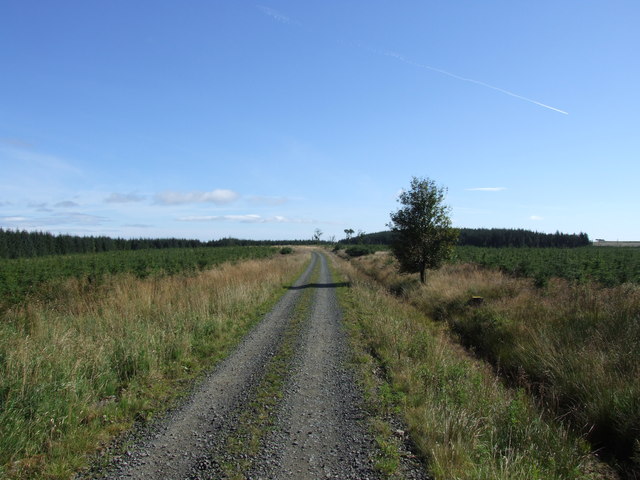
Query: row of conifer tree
492, 237
21, 243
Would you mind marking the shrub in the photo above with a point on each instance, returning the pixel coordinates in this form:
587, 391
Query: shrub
357, 251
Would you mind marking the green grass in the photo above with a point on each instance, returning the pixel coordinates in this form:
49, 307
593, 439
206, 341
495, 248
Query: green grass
607, 265
79, 368
463, 421
573, 346
24, 277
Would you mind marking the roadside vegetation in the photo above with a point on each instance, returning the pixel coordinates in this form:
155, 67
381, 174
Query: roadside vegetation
79, 364
25, 244
490, 237
609, 266
462, 419
573, 346
26, 278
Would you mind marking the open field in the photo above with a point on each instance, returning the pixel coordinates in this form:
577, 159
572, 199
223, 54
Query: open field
609, 266
607, 243
79, 366
22, 277
465, 423
574, 346
82, 362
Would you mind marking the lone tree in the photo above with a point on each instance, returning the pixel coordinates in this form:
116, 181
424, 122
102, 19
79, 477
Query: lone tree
423, 236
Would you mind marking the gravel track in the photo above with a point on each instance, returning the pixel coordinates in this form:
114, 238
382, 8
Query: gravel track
179, 446
320, 428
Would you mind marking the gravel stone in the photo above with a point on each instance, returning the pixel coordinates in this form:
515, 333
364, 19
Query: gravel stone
180, 444
320, 433
320, 424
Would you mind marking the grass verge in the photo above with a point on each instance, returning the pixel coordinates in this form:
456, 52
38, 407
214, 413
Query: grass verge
462, 420
381, 401
575, 347
79, 369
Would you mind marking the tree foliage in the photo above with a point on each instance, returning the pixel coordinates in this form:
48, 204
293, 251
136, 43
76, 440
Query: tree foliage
24, 244
492, 237
423, 236
506, 237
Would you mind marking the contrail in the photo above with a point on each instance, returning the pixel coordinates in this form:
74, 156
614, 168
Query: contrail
279, 17
465, 79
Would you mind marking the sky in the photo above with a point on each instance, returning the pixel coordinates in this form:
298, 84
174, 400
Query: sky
209, 119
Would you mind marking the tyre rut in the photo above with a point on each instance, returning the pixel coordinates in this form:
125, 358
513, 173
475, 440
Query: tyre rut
317, 426
179, 446
321, 432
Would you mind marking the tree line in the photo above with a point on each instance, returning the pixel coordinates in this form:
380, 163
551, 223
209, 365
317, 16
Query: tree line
504, 237
490, 237
24, 244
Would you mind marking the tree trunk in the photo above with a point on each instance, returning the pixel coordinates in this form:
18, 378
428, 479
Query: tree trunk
423, 278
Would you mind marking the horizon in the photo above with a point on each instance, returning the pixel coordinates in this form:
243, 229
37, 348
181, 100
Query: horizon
266, 121
321, 240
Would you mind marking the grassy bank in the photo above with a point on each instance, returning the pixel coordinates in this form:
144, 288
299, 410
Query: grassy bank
463, 421
574, 346
79, 368
22, 278
606, 265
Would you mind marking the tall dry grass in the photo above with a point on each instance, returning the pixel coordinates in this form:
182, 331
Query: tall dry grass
77, 369
462, 419
576, 347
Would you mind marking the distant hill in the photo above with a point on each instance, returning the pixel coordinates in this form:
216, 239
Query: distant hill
491, 237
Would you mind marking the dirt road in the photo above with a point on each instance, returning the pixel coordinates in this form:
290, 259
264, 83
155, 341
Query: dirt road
317, 427
320, 431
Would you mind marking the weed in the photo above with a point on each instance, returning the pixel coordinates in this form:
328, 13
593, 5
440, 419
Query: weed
80, 366
463, 421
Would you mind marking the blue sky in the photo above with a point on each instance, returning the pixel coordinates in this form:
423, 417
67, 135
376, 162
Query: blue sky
207, 119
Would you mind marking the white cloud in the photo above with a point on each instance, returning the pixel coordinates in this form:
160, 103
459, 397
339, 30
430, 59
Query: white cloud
486, 189
123, 198
536, 218
40, 207
251, 218
66, 204
245, 218
57, 219
218, 196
